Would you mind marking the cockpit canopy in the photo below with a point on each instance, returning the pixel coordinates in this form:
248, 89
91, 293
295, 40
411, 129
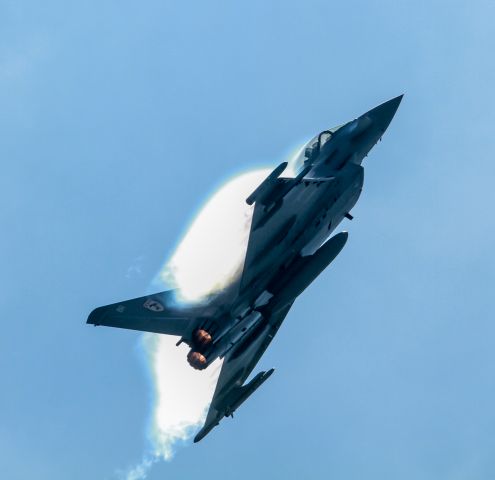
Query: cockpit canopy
310, 150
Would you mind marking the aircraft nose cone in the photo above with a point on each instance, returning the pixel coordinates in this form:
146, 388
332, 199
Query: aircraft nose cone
382, 115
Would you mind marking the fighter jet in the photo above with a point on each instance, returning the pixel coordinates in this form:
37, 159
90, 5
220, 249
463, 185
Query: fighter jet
290, 244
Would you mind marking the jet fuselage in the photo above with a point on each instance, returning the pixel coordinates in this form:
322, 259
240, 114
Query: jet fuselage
288, 247
297, 216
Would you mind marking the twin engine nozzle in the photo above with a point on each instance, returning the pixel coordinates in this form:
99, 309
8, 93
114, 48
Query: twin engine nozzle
195, 358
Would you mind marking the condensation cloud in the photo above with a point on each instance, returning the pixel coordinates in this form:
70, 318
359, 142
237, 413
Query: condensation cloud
212, 252
207, 259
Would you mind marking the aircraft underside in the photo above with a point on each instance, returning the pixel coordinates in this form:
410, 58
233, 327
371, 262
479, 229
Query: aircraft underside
289, 246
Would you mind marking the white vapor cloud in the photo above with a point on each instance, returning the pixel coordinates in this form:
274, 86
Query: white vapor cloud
140, 471
212, 252
207, 259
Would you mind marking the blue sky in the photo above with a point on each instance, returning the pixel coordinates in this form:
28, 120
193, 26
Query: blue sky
119, 119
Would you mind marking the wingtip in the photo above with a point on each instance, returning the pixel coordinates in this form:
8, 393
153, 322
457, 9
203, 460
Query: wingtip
207, 428
203, 432
93, 317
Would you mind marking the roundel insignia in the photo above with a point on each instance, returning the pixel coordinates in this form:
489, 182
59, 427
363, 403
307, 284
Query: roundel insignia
153, 305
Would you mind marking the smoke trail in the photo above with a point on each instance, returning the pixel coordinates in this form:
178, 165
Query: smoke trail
207, 259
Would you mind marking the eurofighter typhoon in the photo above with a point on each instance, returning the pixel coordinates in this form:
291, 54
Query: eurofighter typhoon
289, 245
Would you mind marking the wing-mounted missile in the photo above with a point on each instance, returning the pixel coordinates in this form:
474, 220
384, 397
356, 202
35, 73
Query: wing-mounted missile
272, 198
240, 394
273, 189
284, 186
225, 406
268, 184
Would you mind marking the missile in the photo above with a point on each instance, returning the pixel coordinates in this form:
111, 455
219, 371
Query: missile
273, 197
291, 283
270, 193
241, 394
267, 185
234, 400
276, 196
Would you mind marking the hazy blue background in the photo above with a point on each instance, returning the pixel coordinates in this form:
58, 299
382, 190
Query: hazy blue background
118, 119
